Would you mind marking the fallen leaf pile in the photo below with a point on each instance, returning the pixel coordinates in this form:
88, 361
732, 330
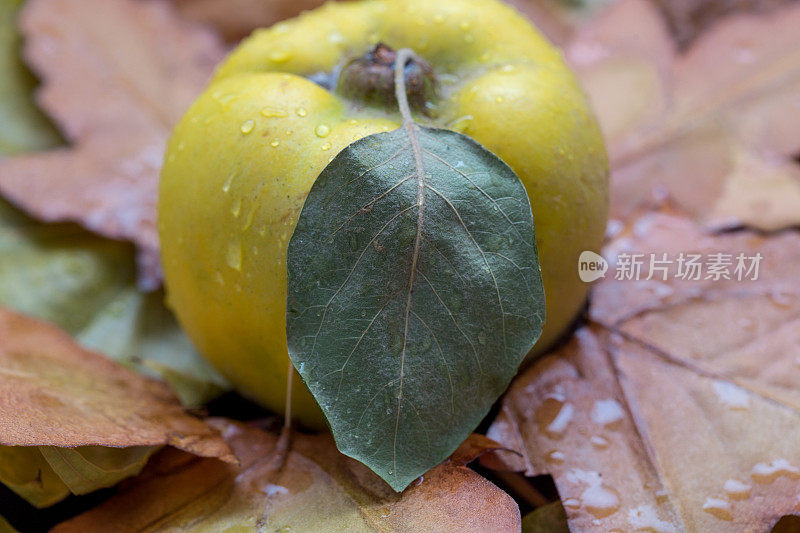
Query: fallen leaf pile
134, 68
674, 406
314, 489
677, 407
61, 405
716, 128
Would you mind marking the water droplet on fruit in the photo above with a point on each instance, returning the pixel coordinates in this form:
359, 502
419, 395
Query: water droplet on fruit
326, 146
301, 112
280, 55
273, 112
322, 130
227, 185
599, 442
247, 126
234, 255
461, 123
275, 143
236, 208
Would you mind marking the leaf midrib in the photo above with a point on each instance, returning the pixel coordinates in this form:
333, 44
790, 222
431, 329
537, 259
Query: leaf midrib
411, 130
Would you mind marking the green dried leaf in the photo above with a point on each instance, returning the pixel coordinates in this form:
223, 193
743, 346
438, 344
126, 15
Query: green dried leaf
414, 293
550, 518
22, 126
45, 475
87, 286
87, 468
24, 470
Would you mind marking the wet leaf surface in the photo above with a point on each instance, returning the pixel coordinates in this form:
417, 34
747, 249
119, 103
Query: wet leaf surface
316, 489
673, 378
413, 287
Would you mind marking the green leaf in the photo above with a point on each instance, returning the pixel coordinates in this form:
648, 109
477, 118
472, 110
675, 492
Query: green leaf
45, 475
87, 285
414, 293
87, 468
22, 126
550, 518
25, 471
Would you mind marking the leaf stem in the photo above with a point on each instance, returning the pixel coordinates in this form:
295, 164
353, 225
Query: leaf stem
404, 55
287, 415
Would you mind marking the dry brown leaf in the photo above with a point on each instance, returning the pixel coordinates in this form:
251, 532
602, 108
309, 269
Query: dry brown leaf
237, 18
689, 18
716, 129
116, 75
678, 409
317, 489
55, 393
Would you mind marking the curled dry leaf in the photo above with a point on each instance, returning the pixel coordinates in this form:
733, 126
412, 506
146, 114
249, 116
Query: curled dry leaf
115, 96
678, 408
316, 489
64, 409
716, 129
689, 18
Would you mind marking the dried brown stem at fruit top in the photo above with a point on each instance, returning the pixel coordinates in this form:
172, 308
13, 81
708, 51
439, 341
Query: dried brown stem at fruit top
370, 79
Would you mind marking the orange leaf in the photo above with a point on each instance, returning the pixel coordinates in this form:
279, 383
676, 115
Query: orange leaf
316, 489
116, 75
55, 393
715, 129
678, 409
